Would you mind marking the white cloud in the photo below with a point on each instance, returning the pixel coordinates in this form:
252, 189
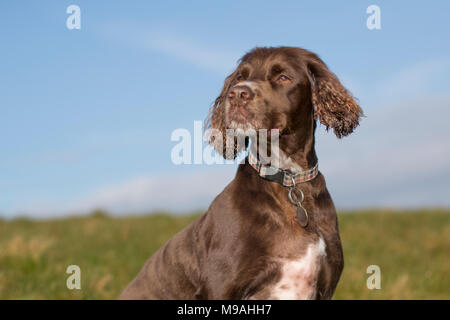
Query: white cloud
178, 193
188, 50
421, 78
399, 156
184, 48
418, 76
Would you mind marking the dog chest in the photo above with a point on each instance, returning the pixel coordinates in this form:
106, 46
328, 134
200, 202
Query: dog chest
299, 276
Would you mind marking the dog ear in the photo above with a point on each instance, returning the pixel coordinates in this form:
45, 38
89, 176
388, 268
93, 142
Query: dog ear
229, 145
334, 106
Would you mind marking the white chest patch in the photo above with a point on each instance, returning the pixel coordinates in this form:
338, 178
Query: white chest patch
299, 277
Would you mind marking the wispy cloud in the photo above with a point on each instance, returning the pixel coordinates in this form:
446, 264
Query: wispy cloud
190, 51
184, 48
415, 80
178, 193
399, 156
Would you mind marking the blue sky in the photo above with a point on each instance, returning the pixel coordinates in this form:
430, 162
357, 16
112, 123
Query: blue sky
86, 115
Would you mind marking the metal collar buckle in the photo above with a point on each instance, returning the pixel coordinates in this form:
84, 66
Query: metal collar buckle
297, 200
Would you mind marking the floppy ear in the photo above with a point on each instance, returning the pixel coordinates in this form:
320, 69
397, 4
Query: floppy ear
334, 106
216, 126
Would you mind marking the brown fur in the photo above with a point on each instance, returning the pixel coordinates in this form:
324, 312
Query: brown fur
334, 105
233, 250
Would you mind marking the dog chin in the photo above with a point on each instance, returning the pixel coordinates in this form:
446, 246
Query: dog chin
242, 128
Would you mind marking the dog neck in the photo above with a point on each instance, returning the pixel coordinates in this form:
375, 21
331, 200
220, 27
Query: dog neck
299, 150
299, 145
296, 151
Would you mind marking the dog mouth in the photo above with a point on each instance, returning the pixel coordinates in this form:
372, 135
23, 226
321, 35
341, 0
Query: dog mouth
239, 115
239, 112
240, 118
250, 128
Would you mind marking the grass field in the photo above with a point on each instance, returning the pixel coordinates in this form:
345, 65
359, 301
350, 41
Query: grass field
411, 248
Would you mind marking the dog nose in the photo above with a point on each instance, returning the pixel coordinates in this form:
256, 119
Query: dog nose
241, 93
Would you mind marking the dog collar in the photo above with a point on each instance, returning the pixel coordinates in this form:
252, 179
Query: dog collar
288, 179
285, 177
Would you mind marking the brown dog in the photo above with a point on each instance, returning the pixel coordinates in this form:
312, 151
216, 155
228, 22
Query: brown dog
272, 233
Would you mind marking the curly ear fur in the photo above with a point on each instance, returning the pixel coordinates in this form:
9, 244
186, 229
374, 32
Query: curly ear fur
216, 123
334, 105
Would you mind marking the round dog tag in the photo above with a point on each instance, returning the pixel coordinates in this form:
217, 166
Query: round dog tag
302, 216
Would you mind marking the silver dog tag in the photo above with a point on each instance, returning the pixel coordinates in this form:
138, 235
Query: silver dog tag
302, 216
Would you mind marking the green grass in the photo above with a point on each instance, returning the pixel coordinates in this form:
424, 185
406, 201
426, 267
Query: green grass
411, 248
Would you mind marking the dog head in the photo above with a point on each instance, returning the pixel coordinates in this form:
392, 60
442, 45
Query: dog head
281, 88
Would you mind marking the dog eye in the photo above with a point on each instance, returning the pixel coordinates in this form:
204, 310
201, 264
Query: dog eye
283, 77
